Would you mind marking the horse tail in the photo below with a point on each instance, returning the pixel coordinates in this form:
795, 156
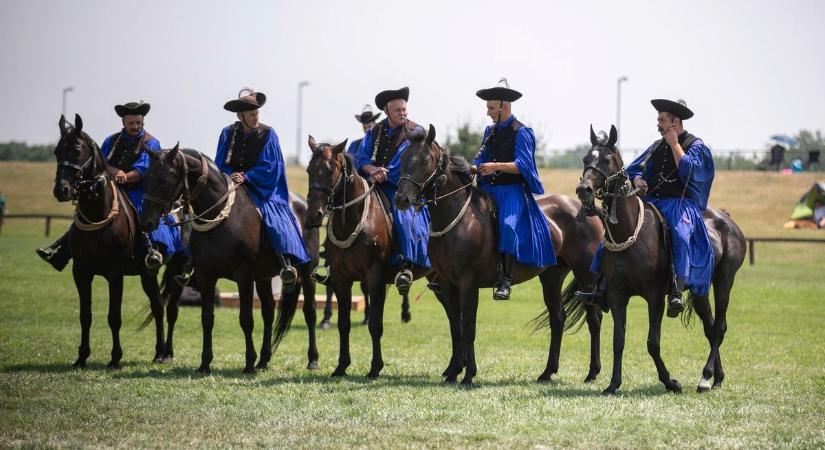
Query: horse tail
690, 308
286, 311
574, 311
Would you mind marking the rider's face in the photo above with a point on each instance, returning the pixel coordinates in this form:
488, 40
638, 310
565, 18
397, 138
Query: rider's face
396, 111
249, 118
133, 124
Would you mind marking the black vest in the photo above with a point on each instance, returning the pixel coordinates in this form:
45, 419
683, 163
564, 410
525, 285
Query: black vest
384, 147
124, 155
246, 149
502, 148
666, 182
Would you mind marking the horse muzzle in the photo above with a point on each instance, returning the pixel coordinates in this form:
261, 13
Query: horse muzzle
313, 219
63, 192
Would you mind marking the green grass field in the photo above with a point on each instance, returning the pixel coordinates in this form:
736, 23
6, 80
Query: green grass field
773, 396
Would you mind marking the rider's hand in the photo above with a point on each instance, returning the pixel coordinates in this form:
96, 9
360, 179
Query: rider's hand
671, 137
120, 177
487, 168
473, 169
379, 175
640, 184
238, 177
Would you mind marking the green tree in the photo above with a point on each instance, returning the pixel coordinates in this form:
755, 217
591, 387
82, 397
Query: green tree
20, 151
467, 142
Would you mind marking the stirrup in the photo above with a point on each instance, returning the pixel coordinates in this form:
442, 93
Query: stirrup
321, 275
502, 291
153, 260
403, 281
675, 306
289, 278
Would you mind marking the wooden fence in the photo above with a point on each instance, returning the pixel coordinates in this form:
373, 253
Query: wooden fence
48, 217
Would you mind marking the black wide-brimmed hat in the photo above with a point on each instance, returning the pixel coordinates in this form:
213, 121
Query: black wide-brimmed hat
248, 100
367, 116
132, 109
385, 97
501, 93
678, 108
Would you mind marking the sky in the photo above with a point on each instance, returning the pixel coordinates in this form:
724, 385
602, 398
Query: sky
748, 69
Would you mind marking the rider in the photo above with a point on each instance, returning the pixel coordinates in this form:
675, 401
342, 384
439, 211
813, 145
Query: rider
507, 166
126, 162
249, 152
675, 174
367, 120
379, 159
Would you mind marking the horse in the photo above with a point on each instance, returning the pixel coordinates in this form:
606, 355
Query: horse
228, 241
358, 244
464, 253
638, 262
102, 242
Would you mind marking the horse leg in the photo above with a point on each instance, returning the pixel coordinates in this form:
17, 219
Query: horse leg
83, 283
149, 283
326, 320
655, 312
449, 299
264, 289
594, 325
377, 293
701, 304
469, 309
310, 316
405, 309
171, 319
343, 292
173, 292
114, 319
721, 299
246, 320
551, 281
618, 309
366, 291
206, 286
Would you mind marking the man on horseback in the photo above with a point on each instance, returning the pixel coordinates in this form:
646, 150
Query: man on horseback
675, 174
249, 152
379, 159
126, 162
367, 120
507, 166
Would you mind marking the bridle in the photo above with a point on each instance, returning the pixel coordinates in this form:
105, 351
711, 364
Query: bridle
344, 178
80, 184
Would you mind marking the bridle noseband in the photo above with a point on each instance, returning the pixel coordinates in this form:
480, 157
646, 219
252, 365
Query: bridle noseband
182, 188
436, 178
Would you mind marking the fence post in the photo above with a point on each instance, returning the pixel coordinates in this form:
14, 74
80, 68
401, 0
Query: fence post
751, 256
48, 225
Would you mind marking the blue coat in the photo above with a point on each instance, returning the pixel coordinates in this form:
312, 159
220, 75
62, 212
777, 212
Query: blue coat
412, 230
266, 184
165, 234
522, 226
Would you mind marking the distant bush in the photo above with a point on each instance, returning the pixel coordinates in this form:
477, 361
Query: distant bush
20, 151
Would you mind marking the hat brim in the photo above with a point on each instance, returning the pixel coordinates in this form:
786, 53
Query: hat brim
370, 118
242, 105
385, 97
132, 109
499, 93
677, 109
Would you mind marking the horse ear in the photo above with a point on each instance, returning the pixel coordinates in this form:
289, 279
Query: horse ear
311, 142
172, 154
153, 154
62, 125
78, 124
431, 134
340, 147
593, 139
614, 136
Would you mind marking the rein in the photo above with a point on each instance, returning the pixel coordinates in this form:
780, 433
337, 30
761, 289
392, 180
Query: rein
82, 222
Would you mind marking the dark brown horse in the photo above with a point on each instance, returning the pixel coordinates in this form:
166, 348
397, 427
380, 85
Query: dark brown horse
102, 241
228, 241
464, 251
358, 243
640, 262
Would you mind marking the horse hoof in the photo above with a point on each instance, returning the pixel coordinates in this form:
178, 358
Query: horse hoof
406, 317
673, 386
609, 391
249, 370
372, 376
113, 365
314, 366
545, 377
717, 386
704, 386
467, 381
79, 364
590, 379
339, 372
326, 325
205, 370
452, 379
262, 366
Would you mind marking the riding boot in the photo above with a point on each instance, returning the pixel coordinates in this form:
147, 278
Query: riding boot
289, 276
594, 294
505, 279
403, 279
57, 254
675, 303
185, 274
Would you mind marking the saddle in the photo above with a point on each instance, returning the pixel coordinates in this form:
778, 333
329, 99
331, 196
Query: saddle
129, 210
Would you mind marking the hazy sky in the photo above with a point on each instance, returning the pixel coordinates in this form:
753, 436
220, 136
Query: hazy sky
748, 69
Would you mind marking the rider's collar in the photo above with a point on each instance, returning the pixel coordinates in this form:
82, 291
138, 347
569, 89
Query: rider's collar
507, 122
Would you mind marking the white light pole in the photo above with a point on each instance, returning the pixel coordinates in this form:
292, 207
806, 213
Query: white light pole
301, 87
619, 82
66, 90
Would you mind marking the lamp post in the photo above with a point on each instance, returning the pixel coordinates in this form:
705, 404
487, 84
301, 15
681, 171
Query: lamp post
619, 82
301, 87
66, 90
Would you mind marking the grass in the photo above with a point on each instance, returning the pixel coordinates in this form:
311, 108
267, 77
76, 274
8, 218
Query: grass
773, 396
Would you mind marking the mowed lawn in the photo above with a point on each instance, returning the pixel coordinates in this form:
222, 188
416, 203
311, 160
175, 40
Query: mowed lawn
773, 395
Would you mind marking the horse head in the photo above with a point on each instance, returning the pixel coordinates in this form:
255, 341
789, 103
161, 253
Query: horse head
163, 185
422, 167
329, 170
602, 165
78, 159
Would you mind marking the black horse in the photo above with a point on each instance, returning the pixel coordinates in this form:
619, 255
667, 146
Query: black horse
637, 262
102, 241
228, 241
463, 250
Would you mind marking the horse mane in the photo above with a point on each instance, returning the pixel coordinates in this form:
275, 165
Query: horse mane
197, 155
460, 166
